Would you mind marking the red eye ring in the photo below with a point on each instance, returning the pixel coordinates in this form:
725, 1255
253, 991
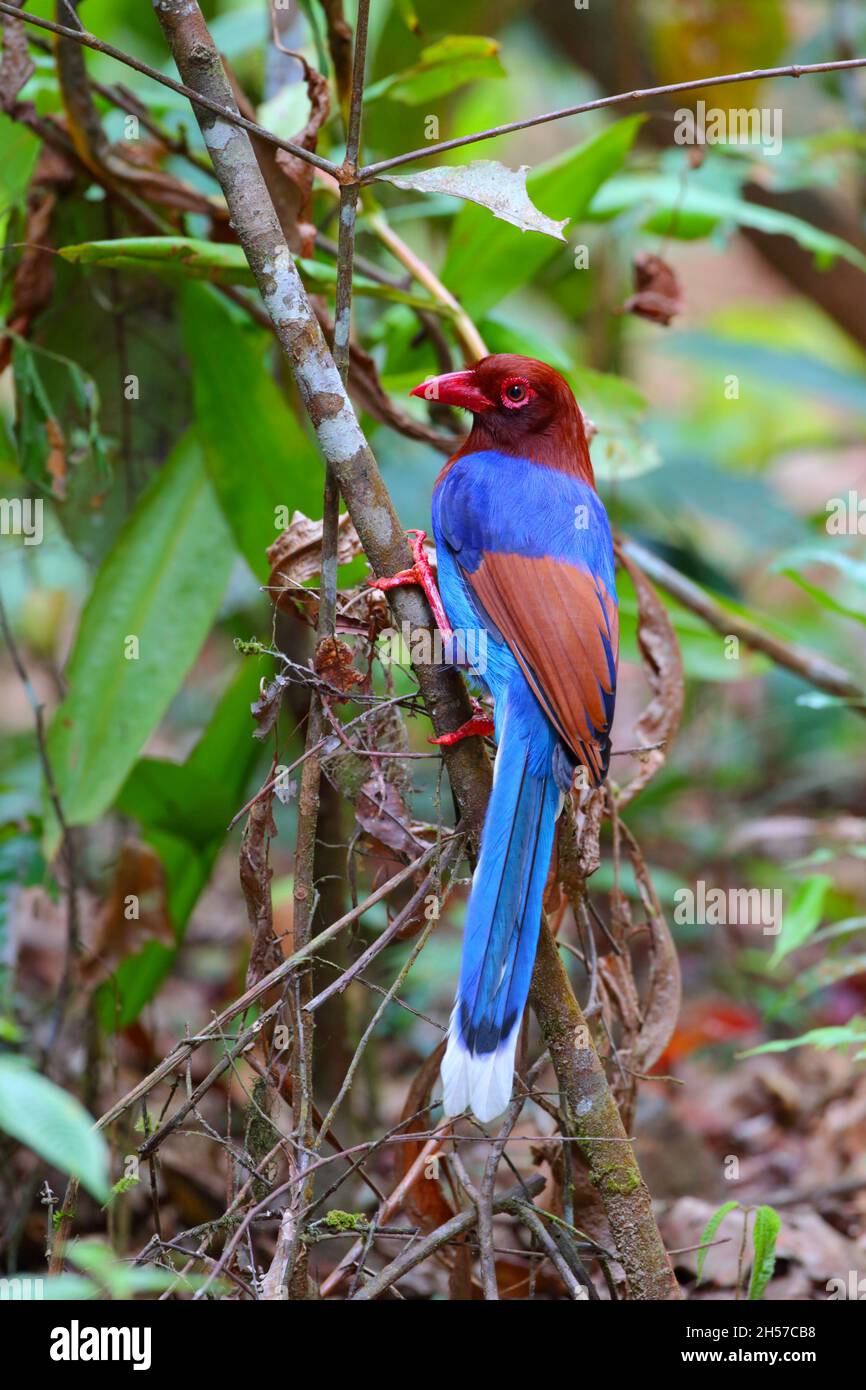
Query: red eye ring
516, 392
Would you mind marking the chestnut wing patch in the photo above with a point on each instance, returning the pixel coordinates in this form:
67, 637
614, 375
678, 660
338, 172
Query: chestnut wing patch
562, 626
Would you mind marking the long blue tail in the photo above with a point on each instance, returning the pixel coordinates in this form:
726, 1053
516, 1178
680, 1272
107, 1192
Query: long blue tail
503, 916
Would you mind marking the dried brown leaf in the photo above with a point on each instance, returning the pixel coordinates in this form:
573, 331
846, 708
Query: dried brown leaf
266, 709
425, 1202
382, 813
255, 875
16, 65
658, 295
135, 911
33, 282
300, 174
663, 665
55, 462
296, 555
661, 1006
333, 662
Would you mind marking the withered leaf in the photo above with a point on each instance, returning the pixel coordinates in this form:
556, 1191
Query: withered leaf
16, 65
490, 184
663, 665
33, 282
333, 662
298, 172
296, 554
382, 813
661, 1006
135, 910
658, 295
266, 709
55, 462
425, 1201
255, 875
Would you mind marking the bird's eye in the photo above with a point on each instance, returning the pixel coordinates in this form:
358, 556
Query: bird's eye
515, 393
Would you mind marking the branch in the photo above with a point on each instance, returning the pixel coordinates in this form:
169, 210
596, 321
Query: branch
591, 1114
811, 666
226, 110
450, 1230
370, 171
216, 1028
311, 778
473, 344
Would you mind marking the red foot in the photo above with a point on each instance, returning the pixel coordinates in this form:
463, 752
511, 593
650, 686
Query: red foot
480, 724
482, 727
420, 573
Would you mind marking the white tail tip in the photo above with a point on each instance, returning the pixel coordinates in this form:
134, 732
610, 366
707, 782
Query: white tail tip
480, 1082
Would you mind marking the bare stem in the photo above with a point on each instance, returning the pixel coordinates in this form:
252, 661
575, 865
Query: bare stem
224, 110
471, 340
601, 103
810, 665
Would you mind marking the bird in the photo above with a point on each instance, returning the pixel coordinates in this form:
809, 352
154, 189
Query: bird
525, 569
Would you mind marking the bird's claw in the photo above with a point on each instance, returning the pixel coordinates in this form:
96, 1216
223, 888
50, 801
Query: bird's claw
420, 573
480, 724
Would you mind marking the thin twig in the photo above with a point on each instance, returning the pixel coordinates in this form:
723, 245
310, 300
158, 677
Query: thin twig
484, 1215
67, 844
422, 1249
371, 171
452, 856
216, 1027
472, 342
811, 666
225, 112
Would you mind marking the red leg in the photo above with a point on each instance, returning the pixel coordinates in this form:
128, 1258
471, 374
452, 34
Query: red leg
420, 573
480, 724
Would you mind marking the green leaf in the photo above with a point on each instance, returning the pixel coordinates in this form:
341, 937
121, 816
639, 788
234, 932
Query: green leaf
407, 12
617, 408
801, 917
671, 207
116, 1278
183, 810
835, 1035
488, 184
190, 258
765, 1233
53, 1124
69, 1288
709, 1233
257, 455
792, 563
442, 68
830, 971
486, 262
43, 447
19, 149
161, 584
20, 863
788, 372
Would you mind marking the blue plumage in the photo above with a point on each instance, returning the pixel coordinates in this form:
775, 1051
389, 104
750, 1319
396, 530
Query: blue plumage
526, 586
489, 504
